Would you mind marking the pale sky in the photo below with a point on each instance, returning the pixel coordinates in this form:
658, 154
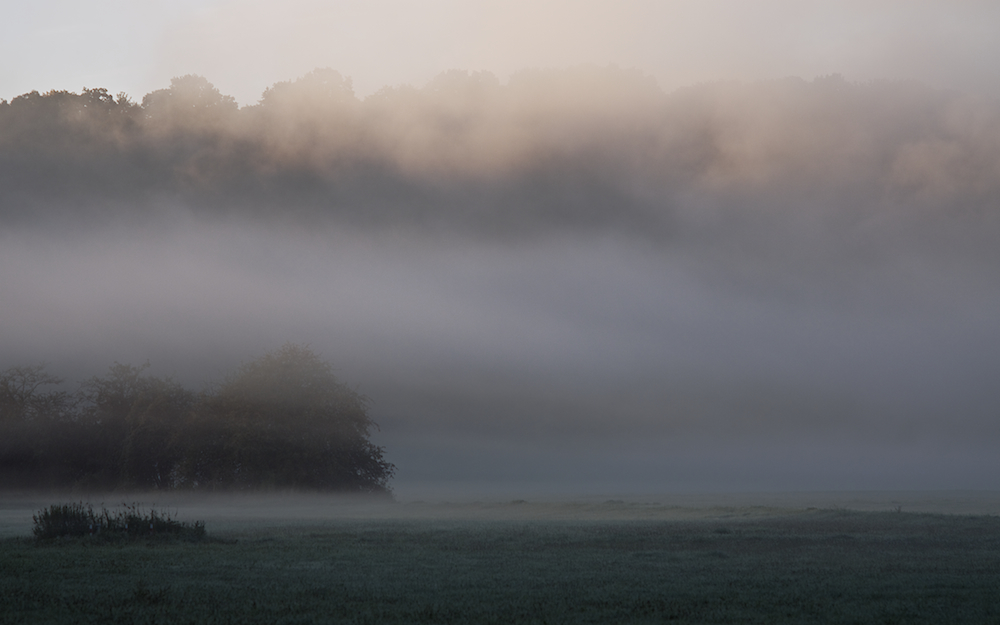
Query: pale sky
244, 46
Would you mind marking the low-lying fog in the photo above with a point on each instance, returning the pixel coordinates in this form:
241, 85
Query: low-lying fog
579, 364
246, 513
765, 310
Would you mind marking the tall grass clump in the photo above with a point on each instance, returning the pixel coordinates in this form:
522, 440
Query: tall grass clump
79, 520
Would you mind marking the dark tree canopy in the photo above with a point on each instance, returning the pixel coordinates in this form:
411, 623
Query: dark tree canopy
285, 420
23, 398
280, 421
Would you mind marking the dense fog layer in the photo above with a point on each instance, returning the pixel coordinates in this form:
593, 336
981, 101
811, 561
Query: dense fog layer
569, 282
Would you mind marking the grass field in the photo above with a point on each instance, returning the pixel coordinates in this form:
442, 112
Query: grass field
607, 563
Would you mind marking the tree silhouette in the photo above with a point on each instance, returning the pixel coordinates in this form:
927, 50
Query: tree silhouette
284, 420
22, 397
280, 421
190, 102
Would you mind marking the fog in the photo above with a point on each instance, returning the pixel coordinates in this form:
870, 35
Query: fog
571, 282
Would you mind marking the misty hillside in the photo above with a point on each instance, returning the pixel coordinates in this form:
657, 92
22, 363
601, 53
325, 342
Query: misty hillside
582, 149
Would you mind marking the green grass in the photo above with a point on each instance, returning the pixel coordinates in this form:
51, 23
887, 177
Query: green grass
811, 567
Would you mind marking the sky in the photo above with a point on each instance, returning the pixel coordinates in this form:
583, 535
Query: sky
245, 46
694, 286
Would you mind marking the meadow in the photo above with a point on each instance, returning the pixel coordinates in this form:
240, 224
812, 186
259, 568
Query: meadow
522, 562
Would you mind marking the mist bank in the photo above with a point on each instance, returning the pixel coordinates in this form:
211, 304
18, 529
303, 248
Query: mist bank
231, 512
558, 365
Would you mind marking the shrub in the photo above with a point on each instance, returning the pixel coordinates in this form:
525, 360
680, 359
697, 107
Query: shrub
66, 520
79, 519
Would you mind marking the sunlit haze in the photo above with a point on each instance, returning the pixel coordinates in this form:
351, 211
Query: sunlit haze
564, 247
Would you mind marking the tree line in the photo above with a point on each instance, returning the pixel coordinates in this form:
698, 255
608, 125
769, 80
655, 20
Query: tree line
309, 145
588, 147
280, 421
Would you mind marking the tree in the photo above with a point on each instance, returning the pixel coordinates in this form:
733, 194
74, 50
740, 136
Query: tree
154, 439
320, 88
110, 398
129, 425
191, 102
280, 421
21, 397
28, 415
285, 420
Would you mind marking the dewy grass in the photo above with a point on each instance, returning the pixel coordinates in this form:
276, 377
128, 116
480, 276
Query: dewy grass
79, 519
828, 567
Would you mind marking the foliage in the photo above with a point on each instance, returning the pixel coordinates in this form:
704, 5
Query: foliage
77, 519
285, 420
190, 101
21, 397
281, 421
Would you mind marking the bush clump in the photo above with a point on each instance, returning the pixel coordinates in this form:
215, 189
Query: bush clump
79, 519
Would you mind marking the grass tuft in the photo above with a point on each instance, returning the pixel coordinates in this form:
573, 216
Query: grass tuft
129, 522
